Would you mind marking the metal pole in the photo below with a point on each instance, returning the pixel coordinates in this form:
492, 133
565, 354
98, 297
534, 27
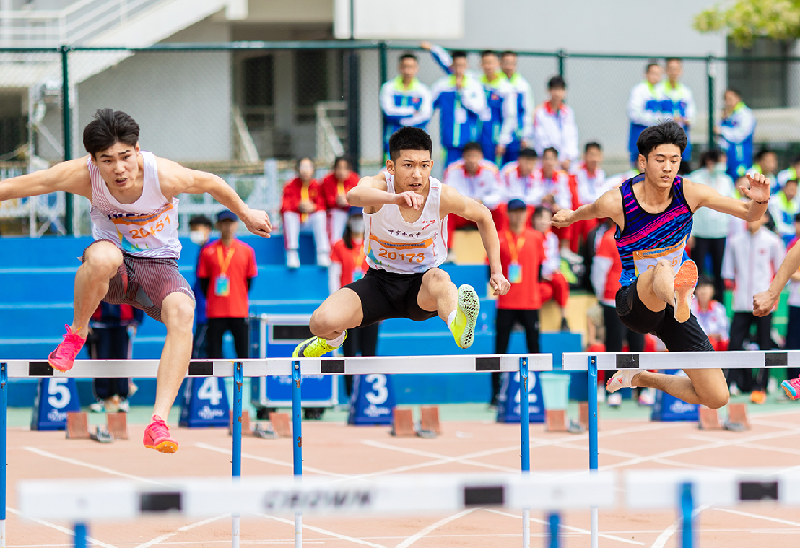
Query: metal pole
67, 121
553, 523
236, 433
687, 509
384, 76
593, 450
3, 443
297, 444
562, 56
525, 433
353, 110
710, 85
80, 535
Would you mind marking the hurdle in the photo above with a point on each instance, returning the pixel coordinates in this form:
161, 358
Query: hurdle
83, 501
238, 369
613, 361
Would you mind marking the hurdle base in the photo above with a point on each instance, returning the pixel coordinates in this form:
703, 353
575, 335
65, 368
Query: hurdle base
78, 426
281, 424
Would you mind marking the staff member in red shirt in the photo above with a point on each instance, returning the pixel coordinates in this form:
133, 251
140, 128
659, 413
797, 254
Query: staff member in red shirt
348, 264
522, 255
335, 187
303, 207
226, 271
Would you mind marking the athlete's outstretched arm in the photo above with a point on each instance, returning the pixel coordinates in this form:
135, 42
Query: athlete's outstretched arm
764, 302
700, 195
370, 193
609, 205
71, 176
176, 179
453, 202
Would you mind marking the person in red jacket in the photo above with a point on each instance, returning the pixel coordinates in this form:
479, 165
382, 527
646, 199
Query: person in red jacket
303, 206
521, 255
348, 264
335, 187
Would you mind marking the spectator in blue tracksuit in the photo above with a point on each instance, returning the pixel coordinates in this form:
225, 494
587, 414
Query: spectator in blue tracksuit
500, 121
678, 101
405, 101
736, 130
644, 107
200, 228
525, 104
461, 103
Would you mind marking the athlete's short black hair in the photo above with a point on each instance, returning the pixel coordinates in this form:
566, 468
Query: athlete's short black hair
528, 153
458, 53
557, 82
472, 145
486, 52
554, 150
668, 132
108, 128
407, 55
592, 144
508, 52
409, 138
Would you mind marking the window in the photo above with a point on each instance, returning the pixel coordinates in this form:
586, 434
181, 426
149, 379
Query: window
310, 83
764, 84
259, 82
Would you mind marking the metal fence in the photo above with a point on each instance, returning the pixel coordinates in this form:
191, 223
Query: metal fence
246, 110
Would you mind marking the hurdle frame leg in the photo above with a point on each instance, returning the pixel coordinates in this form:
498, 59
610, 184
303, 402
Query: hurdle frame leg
297, 443
236, 431
553, 525
593, 449
80, 532
686, 511
3, 444
525, 442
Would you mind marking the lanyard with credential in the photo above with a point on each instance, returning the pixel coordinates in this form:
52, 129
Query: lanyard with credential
226, 262
223, 284
514, 268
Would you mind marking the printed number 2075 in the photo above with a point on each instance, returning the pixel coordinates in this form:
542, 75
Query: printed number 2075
393, 255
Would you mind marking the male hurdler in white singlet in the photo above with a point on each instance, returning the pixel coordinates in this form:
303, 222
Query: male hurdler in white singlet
134, 257
405, 213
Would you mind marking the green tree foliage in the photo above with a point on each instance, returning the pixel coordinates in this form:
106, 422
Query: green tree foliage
745, 20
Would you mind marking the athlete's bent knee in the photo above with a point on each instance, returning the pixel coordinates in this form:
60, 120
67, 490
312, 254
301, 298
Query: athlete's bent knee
178, 312
438, 276
716, 400
103, 258
321, 323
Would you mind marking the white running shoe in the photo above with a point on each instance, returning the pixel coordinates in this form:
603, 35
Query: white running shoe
292, 258
621, 379
323, 259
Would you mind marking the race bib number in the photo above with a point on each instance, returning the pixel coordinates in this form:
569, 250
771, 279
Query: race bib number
646, 259
139, 232
399, 254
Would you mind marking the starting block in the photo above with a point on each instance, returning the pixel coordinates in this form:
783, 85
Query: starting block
429, 420
118, 425
403, 423
263, 431
77, 426
583, 418
246, 427
708, 419
737, 414
555, 420
281, 424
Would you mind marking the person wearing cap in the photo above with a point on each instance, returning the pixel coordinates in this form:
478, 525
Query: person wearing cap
522, 256
226, 271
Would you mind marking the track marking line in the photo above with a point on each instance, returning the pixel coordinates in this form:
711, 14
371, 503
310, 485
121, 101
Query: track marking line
569, 528
665, 535
430, 528
76, 462
162, 538
64, 530
440, 459
324, 532
270, 461
757, 516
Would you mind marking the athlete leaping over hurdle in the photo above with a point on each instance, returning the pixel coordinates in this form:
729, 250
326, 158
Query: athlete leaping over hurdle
134, 257
653, 213
405, 214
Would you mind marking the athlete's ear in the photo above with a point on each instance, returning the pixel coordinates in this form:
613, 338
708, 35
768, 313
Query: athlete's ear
642, 161
136, 147
390, 166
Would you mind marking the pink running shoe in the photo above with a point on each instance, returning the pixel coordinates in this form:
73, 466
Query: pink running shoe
63, 357
156, 436
792, 388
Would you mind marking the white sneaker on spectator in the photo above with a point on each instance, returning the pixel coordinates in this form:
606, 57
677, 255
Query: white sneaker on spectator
123, 406
647, 396
734, 390
97, 407
323, 259
292, 258
614, 400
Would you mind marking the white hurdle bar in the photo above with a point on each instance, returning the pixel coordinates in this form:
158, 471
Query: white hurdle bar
739, 359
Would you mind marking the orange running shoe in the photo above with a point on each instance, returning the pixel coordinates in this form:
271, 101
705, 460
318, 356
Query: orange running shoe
156, 436
685, 281
63, 357
758, 397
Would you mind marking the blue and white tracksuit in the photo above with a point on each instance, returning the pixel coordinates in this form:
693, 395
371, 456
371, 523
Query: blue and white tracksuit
404, 106
737, 130
500, 120
645, 108
679, 101
524, 129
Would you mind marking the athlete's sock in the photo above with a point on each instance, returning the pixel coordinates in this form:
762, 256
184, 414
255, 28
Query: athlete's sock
451, 318
337, 342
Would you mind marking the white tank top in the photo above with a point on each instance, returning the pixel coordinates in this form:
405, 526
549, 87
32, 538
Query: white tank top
395, 245
146, 228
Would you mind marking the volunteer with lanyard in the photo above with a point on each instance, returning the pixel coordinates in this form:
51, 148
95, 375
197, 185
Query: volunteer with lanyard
348, 264
521, 255
226, 271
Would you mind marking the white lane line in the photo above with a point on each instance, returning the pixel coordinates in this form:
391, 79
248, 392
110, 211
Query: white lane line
270, 461
95, 467
665, 535
162, 538
757, 516
430, 528
442, 459
323, 532
569, 528
64, 530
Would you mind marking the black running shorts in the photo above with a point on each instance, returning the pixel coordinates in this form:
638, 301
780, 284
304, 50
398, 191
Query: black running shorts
387, 295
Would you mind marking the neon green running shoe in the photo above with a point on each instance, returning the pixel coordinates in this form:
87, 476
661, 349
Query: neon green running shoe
314, 347
463, 327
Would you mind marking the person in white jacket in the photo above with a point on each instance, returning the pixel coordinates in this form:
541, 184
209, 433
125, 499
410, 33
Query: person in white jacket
645, 107
554, 125
751, 260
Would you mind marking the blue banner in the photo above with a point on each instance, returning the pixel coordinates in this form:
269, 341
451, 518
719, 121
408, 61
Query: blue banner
276, 391
54, 399
669, 408
205, 403
509, 403
372, 400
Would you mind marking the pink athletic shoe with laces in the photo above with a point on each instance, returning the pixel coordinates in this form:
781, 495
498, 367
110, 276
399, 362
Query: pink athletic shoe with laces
156, 436
63, 357
792, 388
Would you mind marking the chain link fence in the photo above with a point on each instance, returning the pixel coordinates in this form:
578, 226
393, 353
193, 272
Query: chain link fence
246, 111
